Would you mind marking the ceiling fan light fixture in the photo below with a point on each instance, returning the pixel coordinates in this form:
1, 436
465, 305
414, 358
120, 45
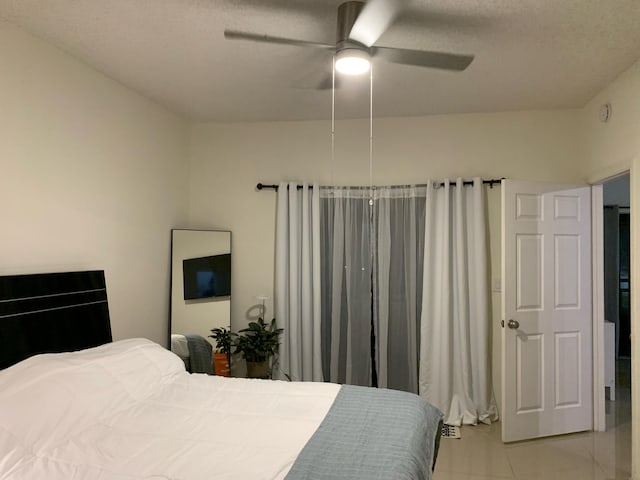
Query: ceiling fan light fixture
353, 61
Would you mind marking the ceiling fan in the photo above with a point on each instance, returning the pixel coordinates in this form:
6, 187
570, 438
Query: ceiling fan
359, 26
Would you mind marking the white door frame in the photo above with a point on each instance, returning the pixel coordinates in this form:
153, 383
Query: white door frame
597, 267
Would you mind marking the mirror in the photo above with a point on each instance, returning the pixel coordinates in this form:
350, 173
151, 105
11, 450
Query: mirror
200, 286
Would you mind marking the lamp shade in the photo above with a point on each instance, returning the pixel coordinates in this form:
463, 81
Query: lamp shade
352, 61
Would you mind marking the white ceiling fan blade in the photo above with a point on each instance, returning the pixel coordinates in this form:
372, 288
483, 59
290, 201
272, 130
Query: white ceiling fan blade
326, 83
424, 58
312, 71
254, 37
374, 19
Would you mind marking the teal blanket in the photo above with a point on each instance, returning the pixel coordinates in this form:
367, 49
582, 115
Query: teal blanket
372, 434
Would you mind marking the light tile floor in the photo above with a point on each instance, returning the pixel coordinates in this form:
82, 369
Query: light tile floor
481, 455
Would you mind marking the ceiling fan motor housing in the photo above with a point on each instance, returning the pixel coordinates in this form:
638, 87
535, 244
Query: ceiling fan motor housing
347, 15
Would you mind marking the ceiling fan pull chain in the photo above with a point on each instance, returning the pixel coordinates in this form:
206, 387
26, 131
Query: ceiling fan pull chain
333, 116
371, 134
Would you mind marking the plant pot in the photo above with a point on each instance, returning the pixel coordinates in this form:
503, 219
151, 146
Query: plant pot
258, 369
221, 364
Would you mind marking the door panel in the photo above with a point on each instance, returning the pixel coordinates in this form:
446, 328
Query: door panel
567, 271
529, 280
547, 294
567, 369
530, 358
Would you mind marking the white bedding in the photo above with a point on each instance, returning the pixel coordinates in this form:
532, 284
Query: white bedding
128, 410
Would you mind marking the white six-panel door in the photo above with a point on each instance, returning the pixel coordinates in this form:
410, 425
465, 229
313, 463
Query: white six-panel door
546, 339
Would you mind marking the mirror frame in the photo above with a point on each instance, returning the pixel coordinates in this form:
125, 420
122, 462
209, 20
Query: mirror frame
201, 302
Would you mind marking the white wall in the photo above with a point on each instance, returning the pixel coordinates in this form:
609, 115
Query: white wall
611, 146
92, 176
227, 161
616, 191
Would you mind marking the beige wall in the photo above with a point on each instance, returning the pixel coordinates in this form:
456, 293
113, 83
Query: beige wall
228, 160
611, 146
92, 176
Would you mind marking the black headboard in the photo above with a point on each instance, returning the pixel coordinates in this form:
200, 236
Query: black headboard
52, 312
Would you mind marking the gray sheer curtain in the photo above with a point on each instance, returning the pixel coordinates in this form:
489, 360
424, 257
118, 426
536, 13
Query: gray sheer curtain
399, 219
346, 266
372, 243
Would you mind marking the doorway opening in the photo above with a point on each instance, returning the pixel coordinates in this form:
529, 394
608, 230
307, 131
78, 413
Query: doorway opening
617, 302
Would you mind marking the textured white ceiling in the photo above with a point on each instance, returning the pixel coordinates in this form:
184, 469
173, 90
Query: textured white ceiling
530, 54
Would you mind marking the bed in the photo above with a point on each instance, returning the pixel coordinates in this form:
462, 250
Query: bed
129, 410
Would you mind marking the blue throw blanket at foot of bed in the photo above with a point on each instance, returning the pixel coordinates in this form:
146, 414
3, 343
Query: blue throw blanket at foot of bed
371, 434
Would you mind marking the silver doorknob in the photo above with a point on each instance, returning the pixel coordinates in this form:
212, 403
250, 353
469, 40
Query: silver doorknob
513, 324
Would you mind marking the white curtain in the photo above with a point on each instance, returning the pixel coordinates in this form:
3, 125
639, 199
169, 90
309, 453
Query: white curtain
297, 287
455, 363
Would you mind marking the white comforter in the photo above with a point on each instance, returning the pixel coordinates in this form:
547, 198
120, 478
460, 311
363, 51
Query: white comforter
129, 410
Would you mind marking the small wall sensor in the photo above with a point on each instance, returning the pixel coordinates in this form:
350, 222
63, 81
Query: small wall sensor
605, 112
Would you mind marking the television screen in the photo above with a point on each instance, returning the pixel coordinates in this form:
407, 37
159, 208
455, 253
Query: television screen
207, 277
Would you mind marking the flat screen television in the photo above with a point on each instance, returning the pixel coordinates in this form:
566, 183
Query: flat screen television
207, 277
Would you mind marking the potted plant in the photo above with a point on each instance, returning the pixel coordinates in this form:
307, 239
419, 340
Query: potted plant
258, 343
222, 355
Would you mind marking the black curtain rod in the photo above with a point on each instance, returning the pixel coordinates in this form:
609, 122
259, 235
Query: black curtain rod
491, 183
